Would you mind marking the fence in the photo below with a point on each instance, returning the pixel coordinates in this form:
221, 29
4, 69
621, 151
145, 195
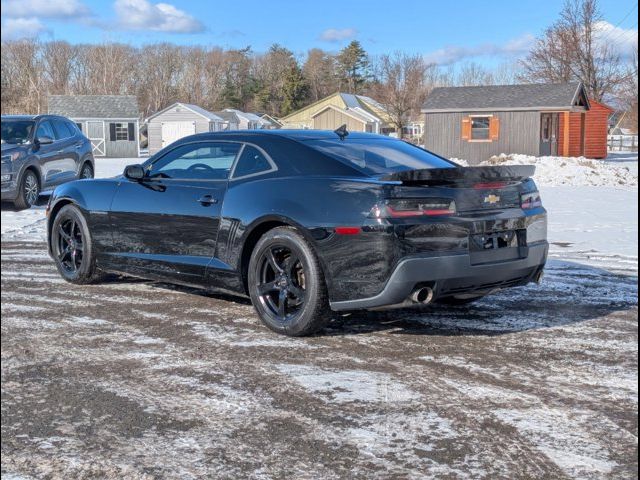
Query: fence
618, 143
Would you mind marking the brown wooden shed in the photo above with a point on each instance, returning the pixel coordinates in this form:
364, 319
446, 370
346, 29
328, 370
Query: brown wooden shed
475, 123
585, 134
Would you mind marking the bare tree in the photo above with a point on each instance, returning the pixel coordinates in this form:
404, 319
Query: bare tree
401, 86
22, 76
628, 94
320, 71
472, 74
58, 59
160, 67
571, 50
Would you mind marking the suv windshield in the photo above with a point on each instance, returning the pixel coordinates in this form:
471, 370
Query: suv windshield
379, 156
16, 131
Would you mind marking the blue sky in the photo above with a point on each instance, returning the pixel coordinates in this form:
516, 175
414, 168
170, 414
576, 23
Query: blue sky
445, 32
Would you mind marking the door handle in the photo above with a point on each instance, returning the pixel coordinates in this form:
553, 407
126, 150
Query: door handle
207, 200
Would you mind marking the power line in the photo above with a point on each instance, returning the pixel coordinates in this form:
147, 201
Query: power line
608, 35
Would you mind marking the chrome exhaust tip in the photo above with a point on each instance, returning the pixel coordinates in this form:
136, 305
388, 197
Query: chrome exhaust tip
422, 295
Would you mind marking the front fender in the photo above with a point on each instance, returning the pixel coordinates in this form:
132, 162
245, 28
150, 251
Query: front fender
93, 198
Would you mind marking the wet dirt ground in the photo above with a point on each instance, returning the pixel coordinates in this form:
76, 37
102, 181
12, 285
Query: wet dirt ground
130, 379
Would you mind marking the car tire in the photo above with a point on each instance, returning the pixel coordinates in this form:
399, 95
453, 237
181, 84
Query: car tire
458, 301
286, 284
28, 191
86, 172
72, 248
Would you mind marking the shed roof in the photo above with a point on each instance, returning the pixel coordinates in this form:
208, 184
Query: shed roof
228, 116
212, 117
535, 96
349, 112
95, 106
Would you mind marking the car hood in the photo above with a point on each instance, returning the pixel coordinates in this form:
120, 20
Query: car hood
10, 148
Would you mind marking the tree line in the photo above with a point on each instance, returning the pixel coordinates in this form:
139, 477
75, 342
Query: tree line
279, 82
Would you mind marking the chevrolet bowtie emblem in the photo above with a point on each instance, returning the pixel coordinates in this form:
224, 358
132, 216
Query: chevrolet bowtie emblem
491, 199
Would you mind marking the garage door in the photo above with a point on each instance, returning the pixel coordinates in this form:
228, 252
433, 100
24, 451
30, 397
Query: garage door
172, 131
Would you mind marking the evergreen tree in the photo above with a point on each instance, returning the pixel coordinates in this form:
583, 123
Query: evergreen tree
295, 90
353, 67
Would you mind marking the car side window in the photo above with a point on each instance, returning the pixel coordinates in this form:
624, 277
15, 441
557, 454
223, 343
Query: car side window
45, 130
62, 130
198, 161
251, 162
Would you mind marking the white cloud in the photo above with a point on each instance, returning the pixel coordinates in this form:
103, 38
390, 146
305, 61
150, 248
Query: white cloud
19, 28
452, 54
159, 17
30, 9
621, 40
337, 35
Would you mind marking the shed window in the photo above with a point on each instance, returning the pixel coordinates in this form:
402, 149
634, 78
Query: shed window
480, 128
122, 133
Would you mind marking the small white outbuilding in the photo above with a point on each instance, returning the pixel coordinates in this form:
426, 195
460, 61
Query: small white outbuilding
180, 120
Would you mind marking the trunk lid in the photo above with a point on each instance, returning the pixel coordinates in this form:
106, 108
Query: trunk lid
462, 176
472, 188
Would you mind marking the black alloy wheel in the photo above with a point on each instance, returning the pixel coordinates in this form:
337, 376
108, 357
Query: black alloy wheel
71, 246
282, 283
286, 283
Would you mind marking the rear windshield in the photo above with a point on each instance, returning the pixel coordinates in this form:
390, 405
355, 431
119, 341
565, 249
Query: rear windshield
16, 131
379, 156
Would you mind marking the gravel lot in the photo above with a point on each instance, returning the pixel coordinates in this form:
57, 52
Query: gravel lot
131, 379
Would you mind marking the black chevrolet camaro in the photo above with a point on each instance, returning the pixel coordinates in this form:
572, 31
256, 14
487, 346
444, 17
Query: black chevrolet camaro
305, 222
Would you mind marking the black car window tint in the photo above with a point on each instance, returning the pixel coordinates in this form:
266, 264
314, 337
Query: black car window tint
203, 161
45, 130
62, 130
251, 162
376, 156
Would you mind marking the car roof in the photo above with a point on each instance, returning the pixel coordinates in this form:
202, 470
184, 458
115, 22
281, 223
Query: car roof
299, 135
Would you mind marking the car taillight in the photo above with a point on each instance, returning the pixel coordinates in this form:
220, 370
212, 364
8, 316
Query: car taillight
402, 208
530, 200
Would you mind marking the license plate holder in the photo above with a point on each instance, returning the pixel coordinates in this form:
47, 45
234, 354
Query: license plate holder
493, 247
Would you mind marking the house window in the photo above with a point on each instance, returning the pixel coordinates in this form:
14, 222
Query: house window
480, 128
122, 132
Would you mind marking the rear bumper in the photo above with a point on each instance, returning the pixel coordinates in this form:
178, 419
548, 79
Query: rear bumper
450, 275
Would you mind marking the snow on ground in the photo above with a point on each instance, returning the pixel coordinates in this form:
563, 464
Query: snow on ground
112, 167
618, 169
594, 225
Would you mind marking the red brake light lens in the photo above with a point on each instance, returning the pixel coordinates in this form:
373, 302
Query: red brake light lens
489, 185
348, 230
530, 200
403, 208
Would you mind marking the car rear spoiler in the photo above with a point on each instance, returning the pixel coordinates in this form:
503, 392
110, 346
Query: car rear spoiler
462, 175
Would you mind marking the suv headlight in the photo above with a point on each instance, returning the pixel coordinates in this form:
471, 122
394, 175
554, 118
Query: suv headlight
12, 157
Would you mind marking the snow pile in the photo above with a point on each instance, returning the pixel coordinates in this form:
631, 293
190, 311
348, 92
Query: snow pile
570, 171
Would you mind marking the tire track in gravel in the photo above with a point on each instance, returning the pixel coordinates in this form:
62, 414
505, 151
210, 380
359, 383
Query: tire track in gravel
136, 379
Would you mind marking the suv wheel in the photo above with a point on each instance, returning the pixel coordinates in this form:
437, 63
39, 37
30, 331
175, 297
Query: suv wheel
86, 172
29, 190
286, 284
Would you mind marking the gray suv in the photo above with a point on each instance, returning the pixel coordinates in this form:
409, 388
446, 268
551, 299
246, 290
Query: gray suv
40, 152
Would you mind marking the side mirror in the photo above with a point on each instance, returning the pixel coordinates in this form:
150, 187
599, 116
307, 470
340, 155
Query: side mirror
44, 140
134, 172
